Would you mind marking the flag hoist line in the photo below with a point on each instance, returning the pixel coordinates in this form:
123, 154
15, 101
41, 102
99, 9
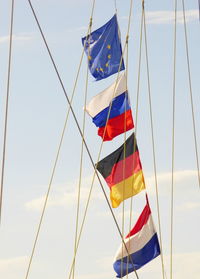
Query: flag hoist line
126, 71
87, 149
136, 113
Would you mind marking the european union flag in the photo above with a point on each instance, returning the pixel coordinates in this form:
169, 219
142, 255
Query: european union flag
103, 48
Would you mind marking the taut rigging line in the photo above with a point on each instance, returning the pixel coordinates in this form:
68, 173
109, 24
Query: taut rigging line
7, 108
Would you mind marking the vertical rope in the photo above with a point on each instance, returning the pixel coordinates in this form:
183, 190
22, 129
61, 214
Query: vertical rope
199, 8
173, 141
191, 93
153, 141
115, 4
7, 108
136, 113
58, 151
127, 53
81, 157
124, 163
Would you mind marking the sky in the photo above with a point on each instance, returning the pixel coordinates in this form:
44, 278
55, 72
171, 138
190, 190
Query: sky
37, 111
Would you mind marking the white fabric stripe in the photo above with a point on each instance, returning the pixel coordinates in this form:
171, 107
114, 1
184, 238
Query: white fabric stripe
137, 241
103, 99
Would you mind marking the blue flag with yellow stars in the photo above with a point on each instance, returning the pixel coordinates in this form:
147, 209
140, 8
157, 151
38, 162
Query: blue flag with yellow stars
103, 49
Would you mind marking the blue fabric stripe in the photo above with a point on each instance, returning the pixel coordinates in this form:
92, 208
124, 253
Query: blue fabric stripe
150, 251
104, 61
119, 104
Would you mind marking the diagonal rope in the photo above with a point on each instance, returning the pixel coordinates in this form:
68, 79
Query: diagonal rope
173, 140
153, 141
81, 158
7, 108
191, 93
56, 160
76, 121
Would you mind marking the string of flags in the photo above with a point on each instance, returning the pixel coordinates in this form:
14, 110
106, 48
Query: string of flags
111, 112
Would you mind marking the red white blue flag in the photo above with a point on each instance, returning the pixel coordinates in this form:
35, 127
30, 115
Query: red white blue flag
110, 110
142, 245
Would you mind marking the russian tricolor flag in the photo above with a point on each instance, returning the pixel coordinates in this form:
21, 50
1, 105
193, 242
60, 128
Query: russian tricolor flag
142, 245
120, 116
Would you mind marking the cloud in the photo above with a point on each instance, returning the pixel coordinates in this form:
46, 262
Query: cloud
66, 198
118, 214
81, 28
99, 275
167, 17
14, 263
178, 176
184, 177
18, 38
185, 265
189, 206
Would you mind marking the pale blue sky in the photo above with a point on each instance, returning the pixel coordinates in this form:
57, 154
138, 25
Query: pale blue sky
36, 118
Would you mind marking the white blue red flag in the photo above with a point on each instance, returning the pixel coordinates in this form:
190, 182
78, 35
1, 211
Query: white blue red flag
119, 115
142, 245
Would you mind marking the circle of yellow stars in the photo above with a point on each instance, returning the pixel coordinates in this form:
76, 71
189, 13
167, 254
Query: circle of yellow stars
107, 63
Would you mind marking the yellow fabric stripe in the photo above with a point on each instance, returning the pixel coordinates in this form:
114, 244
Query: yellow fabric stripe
127, 188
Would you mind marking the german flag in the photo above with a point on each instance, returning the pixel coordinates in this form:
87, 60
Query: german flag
122, 171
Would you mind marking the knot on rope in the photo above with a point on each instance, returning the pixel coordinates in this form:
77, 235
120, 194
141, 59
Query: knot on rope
143, 4
90, 24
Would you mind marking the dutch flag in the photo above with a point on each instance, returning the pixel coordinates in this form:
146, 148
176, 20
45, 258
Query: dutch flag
142, 245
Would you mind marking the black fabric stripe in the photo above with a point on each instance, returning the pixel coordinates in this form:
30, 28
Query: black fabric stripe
105, 165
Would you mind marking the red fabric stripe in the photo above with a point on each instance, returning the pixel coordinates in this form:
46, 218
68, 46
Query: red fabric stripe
124, 168
142, 220
115, 126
